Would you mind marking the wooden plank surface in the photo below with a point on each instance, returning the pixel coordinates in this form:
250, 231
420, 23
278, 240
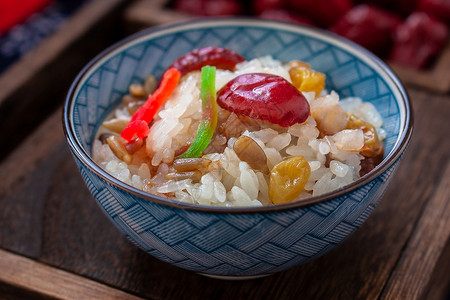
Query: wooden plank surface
48, 215
145, 13
419, 259
44, 281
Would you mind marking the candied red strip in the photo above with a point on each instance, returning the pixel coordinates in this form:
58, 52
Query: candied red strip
266, 97
138, 128
147, 111
418, 40
220, 58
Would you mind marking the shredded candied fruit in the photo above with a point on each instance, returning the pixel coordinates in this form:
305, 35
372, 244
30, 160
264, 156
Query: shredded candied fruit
307, 80
287, 179
372, 145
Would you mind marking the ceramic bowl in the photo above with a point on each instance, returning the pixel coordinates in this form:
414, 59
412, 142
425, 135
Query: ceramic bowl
235, 242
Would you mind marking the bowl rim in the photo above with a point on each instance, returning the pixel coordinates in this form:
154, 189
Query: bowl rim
387, 162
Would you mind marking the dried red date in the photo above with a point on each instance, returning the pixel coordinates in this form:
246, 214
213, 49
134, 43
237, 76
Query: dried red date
369, 26
437, 8
209, 7
263, 5
418, 40
266, 97
221, 58
194, 7
285, 16
323, 12
402, 7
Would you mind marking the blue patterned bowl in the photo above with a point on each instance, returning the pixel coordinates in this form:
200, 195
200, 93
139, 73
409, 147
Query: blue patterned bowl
235, 242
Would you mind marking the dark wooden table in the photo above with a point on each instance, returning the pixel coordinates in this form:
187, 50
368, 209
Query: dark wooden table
56, 243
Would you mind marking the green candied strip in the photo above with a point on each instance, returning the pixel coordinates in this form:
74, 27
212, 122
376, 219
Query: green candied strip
208, 123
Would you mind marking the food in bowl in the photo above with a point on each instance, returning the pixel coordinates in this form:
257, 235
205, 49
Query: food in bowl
220, 130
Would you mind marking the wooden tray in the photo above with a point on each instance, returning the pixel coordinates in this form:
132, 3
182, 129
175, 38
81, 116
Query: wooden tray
145, 13
55, 242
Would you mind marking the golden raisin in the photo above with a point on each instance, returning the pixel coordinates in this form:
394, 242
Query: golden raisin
307, 80
372, 145
298, 63
287, 179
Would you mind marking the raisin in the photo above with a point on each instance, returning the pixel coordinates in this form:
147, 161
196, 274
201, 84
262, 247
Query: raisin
134, 145
372, 145
369, 163
307, 80
287, 179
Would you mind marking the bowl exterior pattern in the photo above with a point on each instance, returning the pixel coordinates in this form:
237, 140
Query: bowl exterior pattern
231, 244
236, 244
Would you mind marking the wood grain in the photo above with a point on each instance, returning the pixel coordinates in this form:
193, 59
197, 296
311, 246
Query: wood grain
145, 13
413, 272
46, 282
35, 149
439, 282
48, 214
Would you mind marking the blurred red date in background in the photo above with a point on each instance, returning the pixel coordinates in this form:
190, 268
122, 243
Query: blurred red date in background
407, 32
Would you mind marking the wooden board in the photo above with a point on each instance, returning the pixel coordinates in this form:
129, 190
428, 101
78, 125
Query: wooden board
35, 279
48, 215
419, 259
